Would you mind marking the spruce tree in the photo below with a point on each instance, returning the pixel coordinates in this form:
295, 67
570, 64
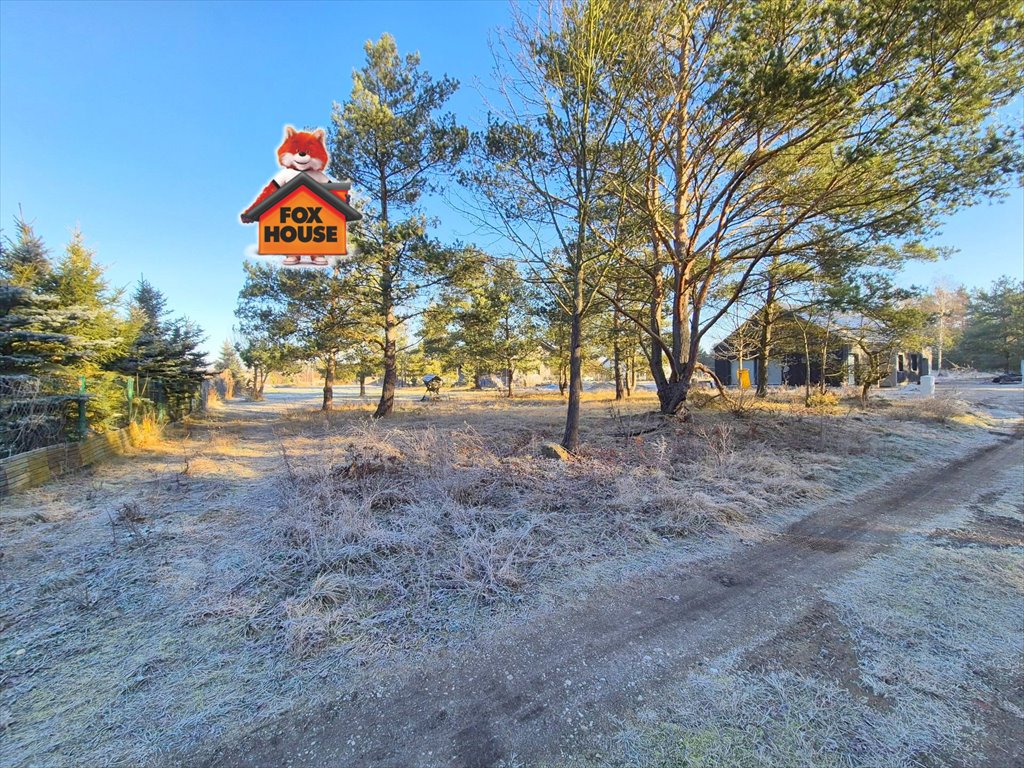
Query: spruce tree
34, 405
24, 261
102, 335
164, 361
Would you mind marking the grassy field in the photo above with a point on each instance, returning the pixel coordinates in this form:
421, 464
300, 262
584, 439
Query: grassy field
271, 555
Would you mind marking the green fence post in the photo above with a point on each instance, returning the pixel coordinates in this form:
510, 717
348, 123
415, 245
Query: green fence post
129, 389
83, 425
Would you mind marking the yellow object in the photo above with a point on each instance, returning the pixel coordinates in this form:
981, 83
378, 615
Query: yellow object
744, 378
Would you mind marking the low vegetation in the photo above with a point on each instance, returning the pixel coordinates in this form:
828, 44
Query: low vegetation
935, 631
229, 572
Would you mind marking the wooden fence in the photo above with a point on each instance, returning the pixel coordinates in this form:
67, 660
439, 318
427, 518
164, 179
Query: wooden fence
32, 468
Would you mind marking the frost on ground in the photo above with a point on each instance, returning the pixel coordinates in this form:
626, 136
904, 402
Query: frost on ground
936, 627
268, 560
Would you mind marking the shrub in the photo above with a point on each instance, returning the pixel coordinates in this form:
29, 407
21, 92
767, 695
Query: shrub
145, 433
822, 400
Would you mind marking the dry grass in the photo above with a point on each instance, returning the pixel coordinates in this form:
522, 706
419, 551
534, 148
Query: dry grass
222, 577
937, 632
398, 535
146, 433
943, 408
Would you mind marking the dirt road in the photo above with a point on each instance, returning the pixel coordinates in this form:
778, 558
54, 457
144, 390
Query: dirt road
557, 686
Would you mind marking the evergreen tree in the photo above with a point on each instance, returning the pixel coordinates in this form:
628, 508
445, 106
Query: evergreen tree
25, 261
151, 306
34, 404
164, 360
515, 337
77, 282
881, 319
263, 354
994, 336
316, 312
390, 139
458, 329
228, 360
766, 130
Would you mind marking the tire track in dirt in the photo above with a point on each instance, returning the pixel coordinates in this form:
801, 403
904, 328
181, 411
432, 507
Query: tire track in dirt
556, 687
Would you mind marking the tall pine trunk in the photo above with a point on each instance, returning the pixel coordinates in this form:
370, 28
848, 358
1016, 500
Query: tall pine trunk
387, 392
571, 438
620, 393
329, 364
362, 385
617, 357
807, 368
767, 326
762, 358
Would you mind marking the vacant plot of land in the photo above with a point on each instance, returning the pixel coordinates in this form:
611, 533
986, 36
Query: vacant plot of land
270, 558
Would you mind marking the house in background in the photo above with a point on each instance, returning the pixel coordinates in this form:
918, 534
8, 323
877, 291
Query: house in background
795, 338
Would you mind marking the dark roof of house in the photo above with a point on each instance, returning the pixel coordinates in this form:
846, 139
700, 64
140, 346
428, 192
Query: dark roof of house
324, 191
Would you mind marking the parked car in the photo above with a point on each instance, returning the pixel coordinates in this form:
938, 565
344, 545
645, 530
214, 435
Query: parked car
1007, 378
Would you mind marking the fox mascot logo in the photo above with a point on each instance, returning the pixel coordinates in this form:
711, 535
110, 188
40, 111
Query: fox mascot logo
300, 152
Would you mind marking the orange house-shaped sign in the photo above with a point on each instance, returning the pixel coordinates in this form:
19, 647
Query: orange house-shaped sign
304, 217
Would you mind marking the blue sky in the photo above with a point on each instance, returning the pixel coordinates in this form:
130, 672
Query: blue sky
151, 125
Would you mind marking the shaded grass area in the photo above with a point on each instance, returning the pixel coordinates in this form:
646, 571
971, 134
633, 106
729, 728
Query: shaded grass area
262, 560
936, 630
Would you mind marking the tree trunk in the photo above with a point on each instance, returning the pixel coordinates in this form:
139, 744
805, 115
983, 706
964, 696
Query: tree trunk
329, 364
823, 383
362, 385
762, 357
807, 367
387, 393
509, 372
672, 396
874, 374
619, 389
571, 438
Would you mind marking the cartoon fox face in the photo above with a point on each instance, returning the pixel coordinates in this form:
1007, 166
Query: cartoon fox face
302, 150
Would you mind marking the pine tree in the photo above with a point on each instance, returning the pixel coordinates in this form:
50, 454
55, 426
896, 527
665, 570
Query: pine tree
61, 327
390, 139
317, 313
25, 261
994, 337
228, 360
